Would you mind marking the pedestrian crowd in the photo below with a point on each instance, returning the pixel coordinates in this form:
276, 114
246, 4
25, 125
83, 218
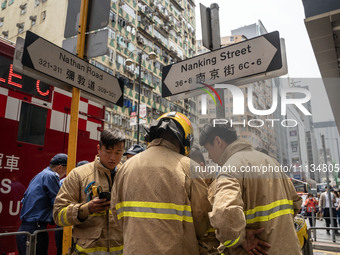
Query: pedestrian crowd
154, 202
319, 208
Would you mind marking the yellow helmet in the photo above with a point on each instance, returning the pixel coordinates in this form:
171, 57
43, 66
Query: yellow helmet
301, 229
180, 127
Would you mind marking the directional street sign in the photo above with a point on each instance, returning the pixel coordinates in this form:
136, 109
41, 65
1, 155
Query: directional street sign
42, 56
252, 57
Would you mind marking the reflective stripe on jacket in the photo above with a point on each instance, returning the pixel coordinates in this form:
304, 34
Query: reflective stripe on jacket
161, 209
91, 235
254, 200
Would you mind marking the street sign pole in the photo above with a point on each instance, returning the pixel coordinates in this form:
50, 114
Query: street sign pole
73, 135
216, 44
328, 188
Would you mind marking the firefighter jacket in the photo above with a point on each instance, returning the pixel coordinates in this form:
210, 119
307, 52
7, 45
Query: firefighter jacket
161, 209
97, 234
264, 198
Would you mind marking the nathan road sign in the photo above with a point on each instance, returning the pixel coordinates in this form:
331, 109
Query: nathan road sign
252, 57
42, 56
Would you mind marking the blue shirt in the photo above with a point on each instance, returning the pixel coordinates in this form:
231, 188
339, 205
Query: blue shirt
39, 197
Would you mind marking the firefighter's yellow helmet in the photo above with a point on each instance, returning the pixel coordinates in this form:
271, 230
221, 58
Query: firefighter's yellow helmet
180, 127
301, 229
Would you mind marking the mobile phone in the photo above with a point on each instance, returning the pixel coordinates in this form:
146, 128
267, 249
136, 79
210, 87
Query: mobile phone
106, 195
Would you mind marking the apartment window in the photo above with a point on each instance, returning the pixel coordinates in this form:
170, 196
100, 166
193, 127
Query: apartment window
231, 38
129, 11
32, 124
1, 21
112, 33
120, 59
111, 55
23, 8
43, 16
36, 3
20, 27
113, 17
3, 5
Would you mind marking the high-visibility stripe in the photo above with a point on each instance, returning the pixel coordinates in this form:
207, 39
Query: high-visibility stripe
153, 205
270, 211
271, 216
269, 206
152, 210
100, 250
63, 217
100, 213
211, 230
154, 216
231, 243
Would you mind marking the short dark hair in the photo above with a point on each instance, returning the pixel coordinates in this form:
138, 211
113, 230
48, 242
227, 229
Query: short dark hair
196, 154
210, 131
111, 137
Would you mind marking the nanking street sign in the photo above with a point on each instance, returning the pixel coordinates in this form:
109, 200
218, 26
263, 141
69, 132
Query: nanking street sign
252, 57
42, 56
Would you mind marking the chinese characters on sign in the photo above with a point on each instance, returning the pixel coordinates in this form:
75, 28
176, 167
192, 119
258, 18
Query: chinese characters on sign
257, 56
9, 162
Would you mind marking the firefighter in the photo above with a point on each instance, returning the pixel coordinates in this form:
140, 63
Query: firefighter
159, 207
84, 199
37, 204
133, 150
250, 209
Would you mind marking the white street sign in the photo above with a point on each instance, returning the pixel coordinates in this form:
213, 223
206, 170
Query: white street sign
252, 57
49, 59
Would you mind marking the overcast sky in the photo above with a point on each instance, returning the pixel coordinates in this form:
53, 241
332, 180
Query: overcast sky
287, 17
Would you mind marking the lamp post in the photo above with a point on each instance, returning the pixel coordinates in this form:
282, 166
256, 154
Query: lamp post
337, 146
328, 187
152, 55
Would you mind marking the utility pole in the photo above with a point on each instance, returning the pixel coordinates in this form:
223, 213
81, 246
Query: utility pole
216, 44
73, 135
328, 188
210, 22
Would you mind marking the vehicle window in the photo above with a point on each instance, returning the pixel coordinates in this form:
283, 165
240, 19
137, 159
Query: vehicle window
32, 124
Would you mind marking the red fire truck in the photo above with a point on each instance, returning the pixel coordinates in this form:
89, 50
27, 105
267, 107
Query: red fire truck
34, 126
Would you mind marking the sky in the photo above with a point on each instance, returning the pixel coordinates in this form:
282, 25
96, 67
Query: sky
287, 17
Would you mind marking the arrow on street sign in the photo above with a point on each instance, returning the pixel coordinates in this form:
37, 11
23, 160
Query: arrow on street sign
42, 56
252, 57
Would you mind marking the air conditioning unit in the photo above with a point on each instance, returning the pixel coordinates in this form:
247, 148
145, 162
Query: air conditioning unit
129, 69
121, 22
172, 48
140, 40
33, 18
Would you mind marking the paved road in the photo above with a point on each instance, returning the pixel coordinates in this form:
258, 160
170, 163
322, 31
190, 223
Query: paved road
321, 235
323, 238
